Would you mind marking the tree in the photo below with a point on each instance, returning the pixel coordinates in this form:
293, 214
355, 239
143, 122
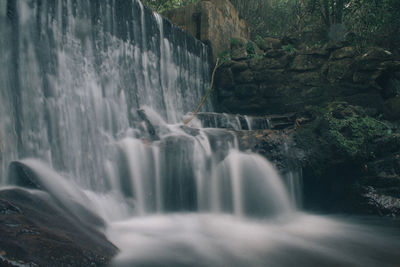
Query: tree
369, 22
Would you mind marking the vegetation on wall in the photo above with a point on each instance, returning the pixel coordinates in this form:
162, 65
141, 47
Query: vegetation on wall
163, 5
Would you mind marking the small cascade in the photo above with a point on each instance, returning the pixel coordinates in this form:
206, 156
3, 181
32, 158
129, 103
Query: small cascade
197, 171
230, 121
243, 122
294, 184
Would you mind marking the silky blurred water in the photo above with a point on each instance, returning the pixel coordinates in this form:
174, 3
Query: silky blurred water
93, 96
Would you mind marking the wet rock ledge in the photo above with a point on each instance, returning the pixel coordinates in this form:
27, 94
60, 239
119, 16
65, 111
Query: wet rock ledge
34, 231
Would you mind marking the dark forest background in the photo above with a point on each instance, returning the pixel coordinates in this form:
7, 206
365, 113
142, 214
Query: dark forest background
362, 23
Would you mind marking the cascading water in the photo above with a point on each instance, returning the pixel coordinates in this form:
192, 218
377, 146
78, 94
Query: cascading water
97, 90
77, 73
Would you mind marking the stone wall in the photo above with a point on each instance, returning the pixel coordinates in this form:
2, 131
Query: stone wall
346, 111
286, 80
213, 22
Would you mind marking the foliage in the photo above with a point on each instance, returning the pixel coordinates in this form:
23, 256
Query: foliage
362, 22
224, 56
234, 42
289, 48
375, 22
260, 41
350, 136
341, 134
342, 131
250, 48
164, 5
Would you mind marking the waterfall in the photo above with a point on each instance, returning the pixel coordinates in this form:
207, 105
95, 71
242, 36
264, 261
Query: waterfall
75, 74
93, 96
99, 90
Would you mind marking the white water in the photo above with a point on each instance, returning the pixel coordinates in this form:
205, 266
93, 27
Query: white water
96, 92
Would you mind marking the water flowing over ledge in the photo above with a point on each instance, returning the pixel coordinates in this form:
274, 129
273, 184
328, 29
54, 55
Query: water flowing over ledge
93, 94
76, 72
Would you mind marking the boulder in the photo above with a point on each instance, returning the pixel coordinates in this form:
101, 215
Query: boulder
34, 231
392, 108
373, 58
314, 51
268, 43
344, 52
376, 53
267, 63
275, 53
340, 70
306, 62
238, 47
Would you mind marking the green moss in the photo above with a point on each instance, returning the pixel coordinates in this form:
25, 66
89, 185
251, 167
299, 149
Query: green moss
250, 48
234, 42
349, 137
223, 57
289, 48
260, 41
340, 134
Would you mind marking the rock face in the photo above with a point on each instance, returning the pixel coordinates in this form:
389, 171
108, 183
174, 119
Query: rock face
213, 22
287, 80
351, 161
36, 232
344, 133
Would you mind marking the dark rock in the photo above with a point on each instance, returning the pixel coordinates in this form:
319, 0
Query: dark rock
224, 78
270, 43
270, 76
349, 154
372, 60
345, 52
314, 52
377, 202
286, 40
275, 145
253, 49
244, 77
238, 66
246, 91
22, 174
7, 208
266, 63
390, 85
340, 70
275, 53
150, 129
308, 78
238, 49
40, 233
331, 46
392, 108
306, 62
376, 53
346, 167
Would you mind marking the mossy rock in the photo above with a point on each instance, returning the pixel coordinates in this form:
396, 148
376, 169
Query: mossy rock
340, 133
349, 133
